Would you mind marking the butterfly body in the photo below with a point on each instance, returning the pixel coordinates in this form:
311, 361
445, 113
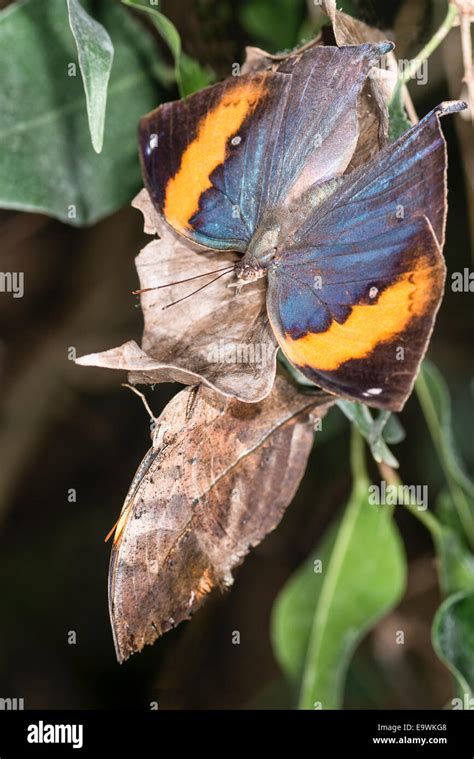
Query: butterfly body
352, 258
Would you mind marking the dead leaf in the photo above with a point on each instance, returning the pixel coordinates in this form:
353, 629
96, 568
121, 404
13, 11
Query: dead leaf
372, 107
378, 91
372, 110
218, 478
220, 339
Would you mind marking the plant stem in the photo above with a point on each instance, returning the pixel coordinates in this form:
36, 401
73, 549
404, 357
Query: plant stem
466, 45
458, 495
357, 455
415, 64
427, 518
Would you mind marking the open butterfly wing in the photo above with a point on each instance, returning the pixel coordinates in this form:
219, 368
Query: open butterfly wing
353, 298
217, 161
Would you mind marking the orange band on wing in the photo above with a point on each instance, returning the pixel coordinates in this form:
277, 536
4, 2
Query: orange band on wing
368, 325
207, 151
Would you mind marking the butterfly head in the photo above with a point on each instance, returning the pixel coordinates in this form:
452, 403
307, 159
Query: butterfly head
249, 271
261, 252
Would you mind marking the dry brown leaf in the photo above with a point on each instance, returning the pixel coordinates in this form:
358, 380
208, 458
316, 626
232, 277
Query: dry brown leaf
378, 90
372, 110
372, 106
218, 478
218, 338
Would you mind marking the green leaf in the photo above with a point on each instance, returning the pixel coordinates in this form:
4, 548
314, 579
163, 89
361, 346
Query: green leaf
456, 563
47, 163
319, 620
434, 398
193, 76
95, 52
434, 395
298, 376
190, 75
447, 513
393, 431
373, 430
164, 26
293, 611
274, 23
397, 117
385, 429
453, 639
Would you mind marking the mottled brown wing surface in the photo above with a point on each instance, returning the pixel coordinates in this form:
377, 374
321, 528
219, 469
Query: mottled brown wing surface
219, 479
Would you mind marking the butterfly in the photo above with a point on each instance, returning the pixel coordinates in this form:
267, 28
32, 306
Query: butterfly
258, 164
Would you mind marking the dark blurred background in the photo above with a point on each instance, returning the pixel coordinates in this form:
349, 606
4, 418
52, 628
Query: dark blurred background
65, 426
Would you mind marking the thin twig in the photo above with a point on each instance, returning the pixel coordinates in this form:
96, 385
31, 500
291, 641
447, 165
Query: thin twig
415, 64
466, 46
144, 401
425, 517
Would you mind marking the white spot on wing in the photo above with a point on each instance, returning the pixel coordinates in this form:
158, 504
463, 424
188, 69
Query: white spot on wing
372, 391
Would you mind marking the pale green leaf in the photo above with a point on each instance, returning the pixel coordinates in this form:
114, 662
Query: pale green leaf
95, 53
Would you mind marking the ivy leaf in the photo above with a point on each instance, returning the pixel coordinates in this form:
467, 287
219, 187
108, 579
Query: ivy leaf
397, 117
48, 164
453, 639
319, 621
293, 610
373, 430
433, 395
456, 563
273, 22
393, 431
190, 75
194, 77
95, 52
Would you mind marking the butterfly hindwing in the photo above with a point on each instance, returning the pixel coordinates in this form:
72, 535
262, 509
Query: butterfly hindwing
217, 161
353, 296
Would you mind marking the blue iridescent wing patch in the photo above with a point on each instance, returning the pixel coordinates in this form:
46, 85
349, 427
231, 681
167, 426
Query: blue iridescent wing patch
218, 161
355, 286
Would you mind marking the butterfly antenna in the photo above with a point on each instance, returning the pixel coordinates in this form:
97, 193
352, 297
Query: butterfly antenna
198, 290
179, 281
